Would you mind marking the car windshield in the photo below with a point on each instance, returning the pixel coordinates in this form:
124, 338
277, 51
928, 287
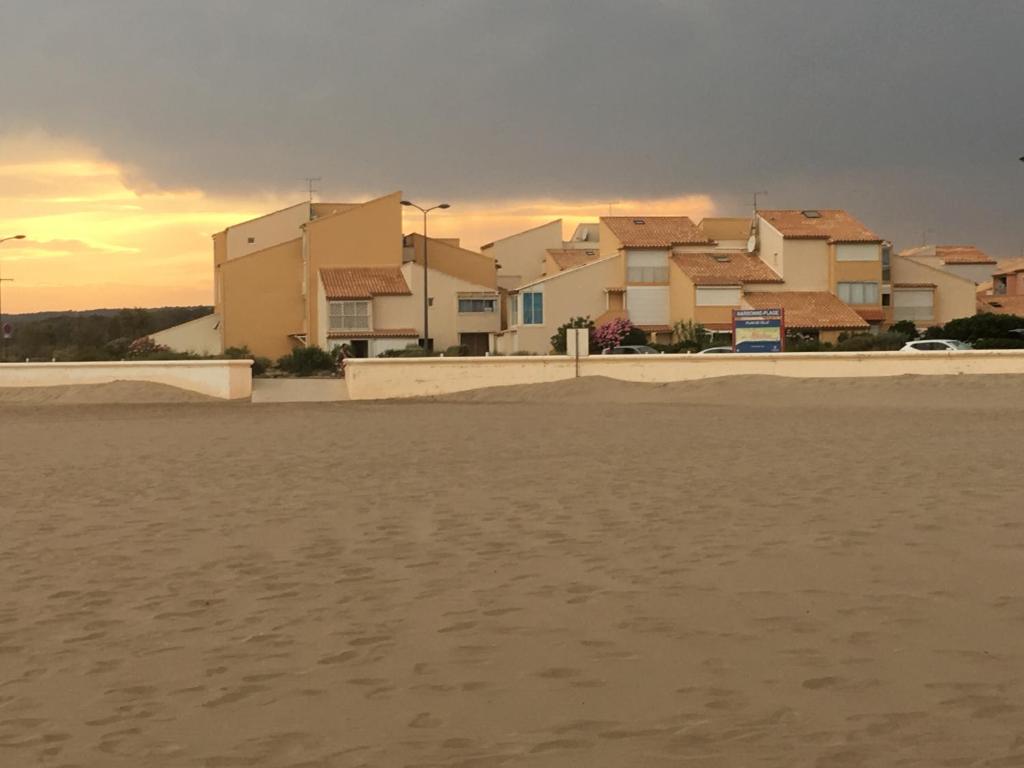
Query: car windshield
960, 345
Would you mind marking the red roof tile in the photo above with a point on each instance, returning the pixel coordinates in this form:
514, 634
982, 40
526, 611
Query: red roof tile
808, 309
363, 282
870, 313
962, 254
724, 268
654, 231
836, 226
567, 258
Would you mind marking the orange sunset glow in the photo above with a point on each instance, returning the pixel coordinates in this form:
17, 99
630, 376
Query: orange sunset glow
98, 235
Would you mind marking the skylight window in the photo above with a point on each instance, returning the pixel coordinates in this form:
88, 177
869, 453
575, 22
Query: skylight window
811, 214
639, 221
722, 259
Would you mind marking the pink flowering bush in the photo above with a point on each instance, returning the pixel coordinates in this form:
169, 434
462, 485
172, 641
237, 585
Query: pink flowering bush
145, 347
616, 332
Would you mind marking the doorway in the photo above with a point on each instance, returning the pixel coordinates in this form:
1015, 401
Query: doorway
478, 344
360, 348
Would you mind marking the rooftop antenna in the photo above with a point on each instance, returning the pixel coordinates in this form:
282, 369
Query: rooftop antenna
311, 184
924, 236
762, 192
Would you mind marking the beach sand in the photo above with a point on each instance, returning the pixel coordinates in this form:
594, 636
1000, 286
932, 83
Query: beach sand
725, 573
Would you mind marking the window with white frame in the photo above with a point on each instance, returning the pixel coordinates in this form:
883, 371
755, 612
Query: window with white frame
533, 307
473, 305
916, 305
349, 316
858, 293
719, 296
646, 267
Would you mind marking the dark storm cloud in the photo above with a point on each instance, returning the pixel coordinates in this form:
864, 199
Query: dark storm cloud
909, 113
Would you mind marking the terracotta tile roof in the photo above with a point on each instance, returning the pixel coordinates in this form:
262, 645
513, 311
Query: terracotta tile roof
808, 309
380, 333
567, 258
724, 268
870, 313
962, 254
363, 282
654, 231
913, 285
1009, 267
725, 229
836, 226
1001, 305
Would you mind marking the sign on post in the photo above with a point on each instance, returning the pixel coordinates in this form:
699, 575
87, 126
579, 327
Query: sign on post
758, 330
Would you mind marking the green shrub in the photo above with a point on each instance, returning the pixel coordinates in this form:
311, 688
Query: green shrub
260, 365
559, 342
985, 326
906, 327
867, 342
305, 361
238, 353
934, 332
460, 350
999, 344
413, 350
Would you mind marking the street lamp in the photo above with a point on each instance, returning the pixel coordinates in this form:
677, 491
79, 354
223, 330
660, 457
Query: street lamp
3, 336
426, 301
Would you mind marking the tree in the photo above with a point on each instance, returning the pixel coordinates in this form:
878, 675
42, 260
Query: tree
689, 335
985, 326
906, 327
558, 341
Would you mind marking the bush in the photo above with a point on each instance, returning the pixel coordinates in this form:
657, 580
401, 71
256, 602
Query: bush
867, 342
986, 326
934, 332
413, 350
559, 342
616, 333
688, 336
260, 365
460, 350
145, 348
305, 361
999, 344
906, 327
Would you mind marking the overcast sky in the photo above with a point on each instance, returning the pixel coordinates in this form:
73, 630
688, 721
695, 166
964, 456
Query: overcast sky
908, 113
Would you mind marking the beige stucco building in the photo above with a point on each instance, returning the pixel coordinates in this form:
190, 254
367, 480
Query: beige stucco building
271, 294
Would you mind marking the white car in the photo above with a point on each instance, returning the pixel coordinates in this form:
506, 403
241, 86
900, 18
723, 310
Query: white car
631, 349
716, 351
935, 345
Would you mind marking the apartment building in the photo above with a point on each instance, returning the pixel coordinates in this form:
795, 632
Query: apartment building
524, 256
967, 261
333, 273
1004, 294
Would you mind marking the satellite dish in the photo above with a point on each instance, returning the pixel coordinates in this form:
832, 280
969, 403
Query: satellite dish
751, 243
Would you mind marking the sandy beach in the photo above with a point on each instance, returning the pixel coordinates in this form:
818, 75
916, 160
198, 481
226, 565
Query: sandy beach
592, 573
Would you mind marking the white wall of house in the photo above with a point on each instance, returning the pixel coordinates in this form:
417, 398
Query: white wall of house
266, 231
446, 322
200, 336
573, 293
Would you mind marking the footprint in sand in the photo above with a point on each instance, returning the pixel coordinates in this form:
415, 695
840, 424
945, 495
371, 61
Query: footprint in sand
425, 720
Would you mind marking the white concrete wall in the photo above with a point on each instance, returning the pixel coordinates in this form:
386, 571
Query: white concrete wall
415, 377
226, 379
200, 336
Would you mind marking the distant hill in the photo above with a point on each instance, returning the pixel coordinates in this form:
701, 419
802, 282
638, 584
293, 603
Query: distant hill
93, 334
104, 312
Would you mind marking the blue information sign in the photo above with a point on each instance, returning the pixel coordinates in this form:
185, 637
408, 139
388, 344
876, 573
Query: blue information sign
758, 330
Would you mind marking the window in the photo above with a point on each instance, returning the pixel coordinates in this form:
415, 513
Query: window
858, 293
857, 252
533, 308
349, 316
477, 305
719, 297
647, 267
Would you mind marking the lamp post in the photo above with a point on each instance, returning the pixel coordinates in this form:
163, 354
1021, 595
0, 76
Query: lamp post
3, 336
426, 300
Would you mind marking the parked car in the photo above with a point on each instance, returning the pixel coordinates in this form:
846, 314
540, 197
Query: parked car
1017, 333
634, 349
716, 351
935, 345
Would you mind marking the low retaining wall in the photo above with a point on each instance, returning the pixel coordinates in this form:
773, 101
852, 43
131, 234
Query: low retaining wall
373, 379
226, 379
